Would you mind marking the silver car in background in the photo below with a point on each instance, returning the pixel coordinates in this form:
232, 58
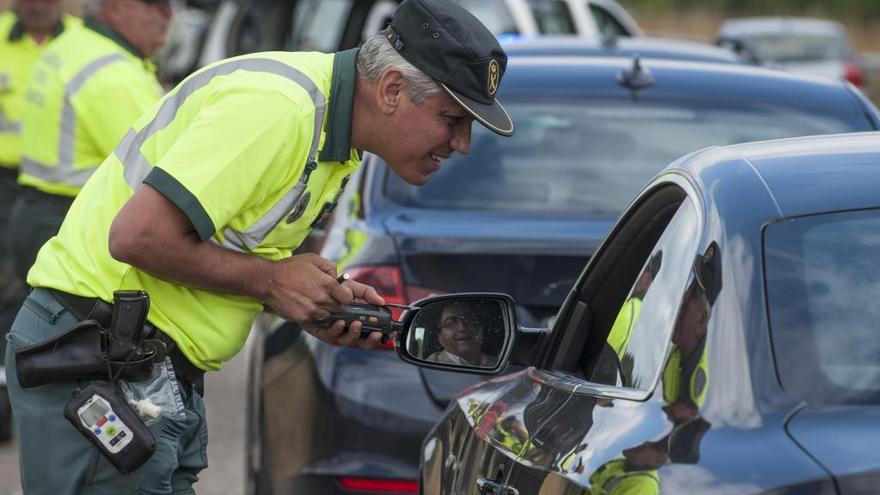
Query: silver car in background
818, 47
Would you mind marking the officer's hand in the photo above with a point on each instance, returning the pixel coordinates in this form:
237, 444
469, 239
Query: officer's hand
364, 293
304, 289
335, 334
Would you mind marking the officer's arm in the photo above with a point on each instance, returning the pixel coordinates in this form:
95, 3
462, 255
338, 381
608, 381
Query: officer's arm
153, 234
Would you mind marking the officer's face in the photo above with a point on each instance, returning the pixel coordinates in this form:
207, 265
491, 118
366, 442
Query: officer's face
426, 134
39, 15
144, 23
646, 456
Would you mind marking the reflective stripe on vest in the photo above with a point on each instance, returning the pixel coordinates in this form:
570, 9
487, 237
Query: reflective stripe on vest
136, 166
8, 126
63, 171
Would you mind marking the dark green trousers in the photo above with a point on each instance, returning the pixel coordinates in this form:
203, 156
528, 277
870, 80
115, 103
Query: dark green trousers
35, 218
12, 290
55, 459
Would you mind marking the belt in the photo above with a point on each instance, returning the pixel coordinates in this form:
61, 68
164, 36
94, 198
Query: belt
92, 308
53, 199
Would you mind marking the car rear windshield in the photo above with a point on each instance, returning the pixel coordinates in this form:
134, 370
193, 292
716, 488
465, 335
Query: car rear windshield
793, 48
591, 156
823, 286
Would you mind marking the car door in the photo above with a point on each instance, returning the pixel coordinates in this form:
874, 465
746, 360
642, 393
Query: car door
588, 410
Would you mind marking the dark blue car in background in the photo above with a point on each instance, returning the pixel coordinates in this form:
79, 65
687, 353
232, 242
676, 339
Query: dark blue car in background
519, 216
642, 46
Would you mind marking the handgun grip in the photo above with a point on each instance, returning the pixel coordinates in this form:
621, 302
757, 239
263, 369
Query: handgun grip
130, 310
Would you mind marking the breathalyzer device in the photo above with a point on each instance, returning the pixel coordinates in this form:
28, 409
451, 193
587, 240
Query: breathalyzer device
99, 412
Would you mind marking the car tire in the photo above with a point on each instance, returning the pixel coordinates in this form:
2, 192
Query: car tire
5, 416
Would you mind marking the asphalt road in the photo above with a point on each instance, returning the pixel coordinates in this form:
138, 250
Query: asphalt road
225, 396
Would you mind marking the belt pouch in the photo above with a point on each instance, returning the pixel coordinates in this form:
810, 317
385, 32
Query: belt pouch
74, 354
70, 355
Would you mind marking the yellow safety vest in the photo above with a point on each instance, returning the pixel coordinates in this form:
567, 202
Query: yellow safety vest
621, 332
18, 53
87, 90
612, 478
236, 146
686, 381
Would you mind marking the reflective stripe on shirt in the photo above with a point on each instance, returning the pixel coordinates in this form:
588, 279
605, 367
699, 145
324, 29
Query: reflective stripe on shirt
137, 167
63, 171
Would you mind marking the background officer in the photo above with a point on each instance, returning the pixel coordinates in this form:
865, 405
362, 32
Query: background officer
24, 33
87, 89
207, 195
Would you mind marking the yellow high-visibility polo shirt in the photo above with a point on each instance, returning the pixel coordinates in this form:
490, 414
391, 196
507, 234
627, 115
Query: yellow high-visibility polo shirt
236, 147
18, 53
87, 89
686, 380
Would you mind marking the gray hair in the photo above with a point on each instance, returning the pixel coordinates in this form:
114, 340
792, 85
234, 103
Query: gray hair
92, 7
377, 55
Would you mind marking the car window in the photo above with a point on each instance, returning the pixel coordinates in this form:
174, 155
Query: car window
606, 23
822, 285
494, 14
552, 16
591, 156
378, 18
636, 346
318, 25
789, 48
253, 28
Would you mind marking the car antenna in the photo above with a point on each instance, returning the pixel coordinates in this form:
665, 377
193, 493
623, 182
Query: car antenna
636, 78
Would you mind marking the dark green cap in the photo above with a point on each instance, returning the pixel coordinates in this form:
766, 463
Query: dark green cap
448, 43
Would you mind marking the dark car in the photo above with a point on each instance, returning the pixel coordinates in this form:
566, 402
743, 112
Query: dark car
647, 47
751, 364
519, 216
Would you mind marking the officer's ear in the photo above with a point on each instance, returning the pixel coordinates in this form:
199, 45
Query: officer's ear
390, 90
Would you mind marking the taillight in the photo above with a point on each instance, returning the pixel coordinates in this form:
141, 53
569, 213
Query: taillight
854, 74
388, 282
379, 485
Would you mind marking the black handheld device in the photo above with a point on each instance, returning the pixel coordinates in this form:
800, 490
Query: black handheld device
100, 413
374, 318
130, 308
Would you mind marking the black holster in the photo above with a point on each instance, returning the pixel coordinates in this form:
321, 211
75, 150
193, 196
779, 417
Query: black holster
89, 351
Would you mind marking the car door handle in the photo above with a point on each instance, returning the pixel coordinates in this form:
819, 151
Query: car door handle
492, 487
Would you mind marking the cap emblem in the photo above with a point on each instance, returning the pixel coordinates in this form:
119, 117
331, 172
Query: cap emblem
494, 77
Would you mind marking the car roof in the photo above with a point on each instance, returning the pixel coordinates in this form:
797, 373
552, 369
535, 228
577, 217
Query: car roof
622, 47
780, 26
675, 79
804, 175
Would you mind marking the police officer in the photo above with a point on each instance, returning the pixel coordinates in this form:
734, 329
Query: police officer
87, 89
204, 199
24, 33
686, 372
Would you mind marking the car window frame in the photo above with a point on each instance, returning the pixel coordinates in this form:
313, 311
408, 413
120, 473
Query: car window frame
565, 346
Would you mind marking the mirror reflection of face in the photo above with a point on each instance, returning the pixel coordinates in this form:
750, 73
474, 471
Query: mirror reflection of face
649, 455
693, 319
460, 333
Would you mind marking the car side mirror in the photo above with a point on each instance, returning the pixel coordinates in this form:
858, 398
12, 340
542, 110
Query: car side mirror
472, 332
